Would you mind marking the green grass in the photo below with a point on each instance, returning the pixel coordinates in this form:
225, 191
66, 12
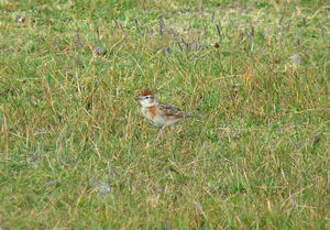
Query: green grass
76, 154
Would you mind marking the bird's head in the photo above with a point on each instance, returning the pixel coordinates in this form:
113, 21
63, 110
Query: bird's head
147, 98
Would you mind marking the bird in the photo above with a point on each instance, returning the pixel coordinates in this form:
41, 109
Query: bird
160, 114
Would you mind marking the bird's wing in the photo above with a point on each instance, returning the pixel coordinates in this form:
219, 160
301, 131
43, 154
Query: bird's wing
170, 110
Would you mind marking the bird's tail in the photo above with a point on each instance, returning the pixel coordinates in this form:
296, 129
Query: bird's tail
191, 116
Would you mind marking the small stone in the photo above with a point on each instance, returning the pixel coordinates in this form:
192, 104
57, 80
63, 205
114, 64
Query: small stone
296, 59
167, 51
20, 19
102, 186
100, 51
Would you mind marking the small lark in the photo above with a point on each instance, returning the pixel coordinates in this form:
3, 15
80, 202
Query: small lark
160, 114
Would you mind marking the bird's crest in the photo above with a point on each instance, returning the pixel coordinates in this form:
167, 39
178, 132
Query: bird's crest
146, 92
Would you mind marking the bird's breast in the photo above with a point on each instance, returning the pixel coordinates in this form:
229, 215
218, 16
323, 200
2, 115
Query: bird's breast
153, 114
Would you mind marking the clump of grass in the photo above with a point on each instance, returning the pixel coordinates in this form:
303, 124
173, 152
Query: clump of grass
75, 153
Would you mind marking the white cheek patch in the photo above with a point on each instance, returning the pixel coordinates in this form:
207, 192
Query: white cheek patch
143, 103
146, 103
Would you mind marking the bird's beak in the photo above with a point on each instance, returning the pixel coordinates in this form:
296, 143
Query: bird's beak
137, 98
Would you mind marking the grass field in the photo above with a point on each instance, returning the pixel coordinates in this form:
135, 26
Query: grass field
76, 154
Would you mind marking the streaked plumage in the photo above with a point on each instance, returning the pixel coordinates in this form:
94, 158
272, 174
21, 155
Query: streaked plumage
160, 114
